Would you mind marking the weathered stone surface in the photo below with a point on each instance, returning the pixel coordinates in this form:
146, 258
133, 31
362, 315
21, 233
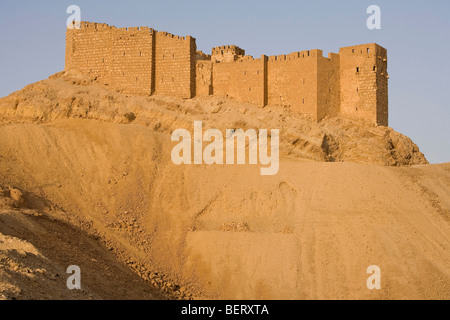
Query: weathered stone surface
143, 61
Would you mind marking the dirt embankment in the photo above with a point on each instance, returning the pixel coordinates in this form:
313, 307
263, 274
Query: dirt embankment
99, 190
36, 248
225, 231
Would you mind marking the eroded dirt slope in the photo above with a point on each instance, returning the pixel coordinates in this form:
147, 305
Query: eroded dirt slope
36, 248
225, 231
333, 139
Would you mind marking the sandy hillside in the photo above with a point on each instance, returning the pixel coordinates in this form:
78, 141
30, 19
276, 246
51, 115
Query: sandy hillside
36, 249
98, 169
71, 96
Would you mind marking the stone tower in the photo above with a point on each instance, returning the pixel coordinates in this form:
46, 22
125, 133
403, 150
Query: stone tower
364, 83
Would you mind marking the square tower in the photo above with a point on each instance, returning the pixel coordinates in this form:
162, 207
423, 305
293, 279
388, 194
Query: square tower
226, 53
364, 83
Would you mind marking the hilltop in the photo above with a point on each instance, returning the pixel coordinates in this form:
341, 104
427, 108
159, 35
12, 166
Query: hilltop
336, 139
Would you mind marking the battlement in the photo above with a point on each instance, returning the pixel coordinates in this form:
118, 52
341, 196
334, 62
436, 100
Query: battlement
240, 59
202, 56
172, 36
144, 61
365, 49
297, 55
93, 26
228, 49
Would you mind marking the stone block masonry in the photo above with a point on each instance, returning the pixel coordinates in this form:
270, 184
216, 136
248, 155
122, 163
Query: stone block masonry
138, 61
143, 61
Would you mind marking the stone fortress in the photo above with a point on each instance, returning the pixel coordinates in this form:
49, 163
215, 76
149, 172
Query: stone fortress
143, 61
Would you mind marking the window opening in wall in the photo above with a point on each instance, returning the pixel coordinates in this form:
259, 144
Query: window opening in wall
368, 50
357, 89
303, 101
374, 68
357, 69
173, 55
353, 50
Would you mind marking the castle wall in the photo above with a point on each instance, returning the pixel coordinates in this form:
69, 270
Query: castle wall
131, 64
243, 80
143, 61
88, 50
328, 85
292, 81
175, 65
204, 86
133, 60
382, 87
382, 101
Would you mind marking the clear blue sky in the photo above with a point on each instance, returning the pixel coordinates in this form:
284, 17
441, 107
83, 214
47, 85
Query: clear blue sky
415, 33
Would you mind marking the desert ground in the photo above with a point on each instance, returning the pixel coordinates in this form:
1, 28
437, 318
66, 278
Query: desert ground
86, 179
